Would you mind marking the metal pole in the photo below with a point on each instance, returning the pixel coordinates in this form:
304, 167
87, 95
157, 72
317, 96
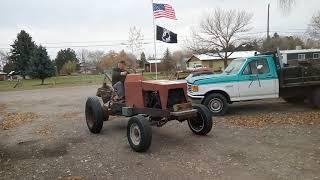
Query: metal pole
154, 41
268, 25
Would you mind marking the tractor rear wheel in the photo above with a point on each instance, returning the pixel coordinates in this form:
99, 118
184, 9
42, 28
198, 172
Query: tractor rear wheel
139, 133
94, 115
202, 124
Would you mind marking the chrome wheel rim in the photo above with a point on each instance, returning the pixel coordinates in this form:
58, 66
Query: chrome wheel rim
135, 134
215, 105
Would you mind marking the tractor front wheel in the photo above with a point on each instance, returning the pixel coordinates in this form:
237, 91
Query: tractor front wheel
139, 133
94, 115
202, 123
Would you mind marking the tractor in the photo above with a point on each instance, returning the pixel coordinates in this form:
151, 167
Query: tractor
147, 103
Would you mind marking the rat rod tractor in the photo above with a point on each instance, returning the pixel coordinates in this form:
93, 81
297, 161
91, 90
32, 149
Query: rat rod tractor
147, 103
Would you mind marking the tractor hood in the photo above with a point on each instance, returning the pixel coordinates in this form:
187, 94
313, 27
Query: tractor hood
214, 78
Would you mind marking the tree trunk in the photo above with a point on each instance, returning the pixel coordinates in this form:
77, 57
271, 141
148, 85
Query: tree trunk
42, 81
225, 61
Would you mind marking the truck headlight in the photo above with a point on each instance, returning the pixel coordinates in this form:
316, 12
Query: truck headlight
194, 88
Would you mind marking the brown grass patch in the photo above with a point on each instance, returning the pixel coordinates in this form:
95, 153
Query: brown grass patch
15, 119
70, 115
262, 119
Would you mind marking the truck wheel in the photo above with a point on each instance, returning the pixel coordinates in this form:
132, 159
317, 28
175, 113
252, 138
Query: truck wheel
139, 133
217, 104
94, 115
294, 100
202, 124
315, 98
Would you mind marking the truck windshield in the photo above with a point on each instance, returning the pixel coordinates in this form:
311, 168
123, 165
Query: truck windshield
234, 66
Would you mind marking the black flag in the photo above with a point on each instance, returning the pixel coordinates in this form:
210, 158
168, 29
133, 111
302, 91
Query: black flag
165, 35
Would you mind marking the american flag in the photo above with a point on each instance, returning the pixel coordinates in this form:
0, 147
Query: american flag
163, 10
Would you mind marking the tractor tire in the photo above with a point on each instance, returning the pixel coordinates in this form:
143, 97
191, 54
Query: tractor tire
94, 115
202, 124
294, 100
139, 133
315, 98
217, 104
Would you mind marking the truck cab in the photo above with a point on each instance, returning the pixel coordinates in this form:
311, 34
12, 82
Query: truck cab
245, 79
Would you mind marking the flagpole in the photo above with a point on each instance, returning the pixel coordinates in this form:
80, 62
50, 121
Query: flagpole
154, 41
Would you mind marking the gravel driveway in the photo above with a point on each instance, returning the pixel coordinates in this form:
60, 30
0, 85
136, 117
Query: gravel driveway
56, 144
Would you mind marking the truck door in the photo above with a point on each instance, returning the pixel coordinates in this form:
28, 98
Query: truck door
258, 80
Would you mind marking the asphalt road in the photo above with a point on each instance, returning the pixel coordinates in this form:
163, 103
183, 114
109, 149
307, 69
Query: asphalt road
58, 145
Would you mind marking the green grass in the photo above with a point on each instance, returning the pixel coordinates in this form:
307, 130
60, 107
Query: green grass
63, 81
152, 75
59, 81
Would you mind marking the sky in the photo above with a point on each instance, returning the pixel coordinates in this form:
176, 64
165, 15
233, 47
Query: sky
104, 24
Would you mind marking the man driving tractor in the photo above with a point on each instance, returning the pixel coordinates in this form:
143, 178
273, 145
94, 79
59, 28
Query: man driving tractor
118, 77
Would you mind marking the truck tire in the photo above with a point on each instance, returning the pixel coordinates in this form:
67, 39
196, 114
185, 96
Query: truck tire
216, 103
94, 115
202, 124
315, 98
139, 133
294, 100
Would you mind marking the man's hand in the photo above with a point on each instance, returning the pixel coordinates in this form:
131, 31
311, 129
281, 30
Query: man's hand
123, 73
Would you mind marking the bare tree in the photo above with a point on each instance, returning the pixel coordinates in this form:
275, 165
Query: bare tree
82, 56
135, 41
314, 27
221, 31
286, 5
4, 59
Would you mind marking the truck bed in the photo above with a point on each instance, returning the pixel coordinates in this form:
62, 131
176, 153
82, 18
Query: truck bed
302, 74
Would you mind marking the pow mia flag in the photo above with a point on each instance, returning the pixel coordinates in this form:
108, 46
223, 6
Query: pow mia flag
165, 35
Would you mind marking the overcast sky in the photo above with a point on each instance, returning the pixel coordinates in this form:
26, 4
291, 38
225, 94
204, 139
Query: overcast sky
106, 23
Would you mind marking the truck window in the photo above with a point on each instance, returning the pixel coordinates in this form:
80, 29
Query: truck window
252, 67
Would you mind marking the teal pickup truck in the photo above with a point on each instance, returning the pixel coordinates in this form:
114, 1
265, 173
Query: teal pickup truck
253, 78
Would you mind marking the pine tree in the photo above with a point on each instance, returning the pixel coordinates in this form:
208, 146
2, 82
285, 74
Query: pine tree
167, 60
142, 60
21, 52
64, 56
40, 64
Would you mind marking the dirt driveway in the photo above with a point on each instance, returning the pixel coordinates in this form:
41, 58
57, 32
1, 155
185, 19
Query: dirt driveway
54, 143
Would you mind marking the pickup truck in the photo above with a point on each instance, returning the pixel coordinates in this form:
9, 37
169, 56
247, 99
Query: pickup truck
253, 78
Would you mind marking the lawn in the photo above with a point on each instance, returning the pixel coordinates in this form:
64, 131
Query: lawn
61, 81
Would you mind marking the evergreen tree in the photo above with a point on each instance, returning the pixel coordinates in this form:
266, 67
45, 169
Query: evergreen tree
168, 61
21, 52
40, 64
64, 56
142, 60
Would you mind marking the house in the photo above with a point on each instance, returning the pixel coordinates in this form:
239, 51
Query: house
214, 61
150, 65
292, 57
3, 76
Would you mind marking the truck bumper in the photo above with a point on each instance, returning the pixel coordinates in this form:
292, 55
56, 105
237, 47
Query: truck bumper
195, 99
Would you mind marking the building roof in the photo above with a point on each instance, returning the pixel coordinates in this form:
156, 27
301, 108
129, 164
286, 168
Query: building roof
154, 61
299, 51
215, 56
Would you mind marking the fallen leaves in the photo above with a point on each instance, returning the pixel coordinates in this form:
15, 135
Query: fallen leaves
262, 119
45, 130
15, 119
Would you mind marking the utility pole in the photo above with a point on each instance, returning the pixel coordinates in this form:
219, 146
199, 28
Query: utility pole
268, 25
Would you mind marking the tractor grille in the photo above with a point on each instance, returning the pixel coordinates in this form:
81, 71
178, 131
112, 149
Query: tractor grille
189, 87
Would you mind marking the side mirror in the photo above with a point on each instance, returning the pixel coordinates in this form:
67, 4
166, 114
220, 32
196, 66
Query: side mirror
259, 68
